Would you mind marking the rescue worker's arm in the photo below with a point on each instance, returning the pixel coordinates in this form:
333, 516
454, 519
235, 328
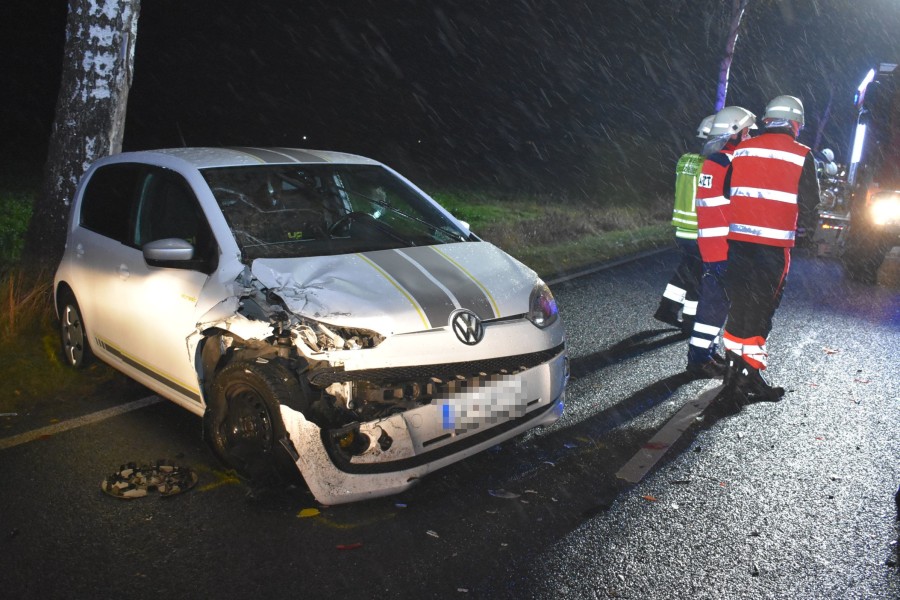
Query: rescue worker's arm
808, 197
726, 189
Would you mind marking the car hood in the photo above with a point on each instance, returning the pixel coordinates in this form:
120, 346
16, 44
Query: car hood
402, 290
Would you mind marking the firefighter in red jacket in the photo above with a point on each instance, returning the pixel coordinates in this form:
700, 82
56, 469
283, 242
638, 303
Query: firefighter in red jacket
774, 192
730, 126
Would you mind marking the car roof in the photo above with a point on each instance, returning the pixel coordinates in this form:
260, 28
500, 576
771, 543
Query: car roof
204, 158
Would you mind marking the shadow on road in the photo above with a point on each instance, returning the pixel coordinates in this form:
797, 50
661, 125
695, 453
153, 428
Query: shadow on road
630, 347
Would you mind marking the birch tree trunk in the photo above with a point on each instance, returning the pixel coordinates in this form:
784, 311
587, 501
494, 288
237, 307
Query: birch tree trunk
737, 12
98, 65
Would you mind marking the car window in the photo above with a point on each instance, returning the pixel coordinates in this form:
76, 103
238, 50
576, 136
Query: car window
107, 201
167, 208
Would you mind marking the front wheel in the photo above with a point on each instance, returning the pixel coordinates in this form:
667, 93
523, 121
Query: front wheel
243, 424
75, 348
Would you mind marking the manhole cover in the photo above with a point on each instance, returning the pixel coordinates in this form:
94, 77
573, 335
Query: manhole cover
163, 477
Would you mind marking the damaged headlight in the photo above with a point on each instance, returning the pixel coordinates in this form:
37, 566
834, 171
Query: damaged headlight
542, 310
319, 337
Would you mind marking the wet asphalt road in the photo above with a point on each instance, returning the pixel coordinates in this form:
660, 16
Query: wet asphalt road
787, 500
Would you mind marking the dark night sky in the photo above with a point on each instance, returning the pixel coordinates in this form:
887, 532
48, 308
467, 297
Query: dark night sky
559, 89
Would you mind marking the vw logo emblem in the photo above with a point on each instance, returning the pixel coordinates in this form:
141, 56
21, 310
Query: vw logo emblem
467, 327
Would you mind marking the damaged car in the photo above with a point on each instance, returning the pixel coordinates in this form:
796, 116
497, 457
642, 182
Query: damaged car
318, 310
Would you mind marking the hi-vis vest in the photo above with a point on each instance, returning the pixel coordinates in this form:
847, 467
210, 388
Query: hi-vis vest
713, 207
684, 215
765, 179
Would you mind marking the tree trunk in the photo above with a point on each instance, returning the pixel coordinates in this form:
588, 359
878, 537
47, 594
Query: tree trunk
90, 112
737, 12
823, 120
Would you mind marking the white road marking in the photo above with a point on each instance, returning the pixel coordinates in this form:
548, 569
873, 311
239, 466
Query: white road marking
101, 415
641, 463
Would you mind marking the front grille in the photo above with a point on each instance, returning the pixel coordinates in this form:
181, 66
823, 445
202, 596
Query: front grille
444, 372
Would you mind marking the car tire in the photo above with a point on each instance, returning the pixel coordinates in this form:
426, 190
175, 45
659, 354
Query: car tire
76, 349
242, 423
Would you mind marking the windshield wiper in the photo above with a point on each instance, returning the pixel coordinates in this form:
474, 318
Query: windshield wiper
454, 234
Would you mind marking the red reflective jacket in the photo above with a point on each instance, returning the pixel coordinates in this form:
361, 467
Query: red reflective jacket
712, 207
765, 180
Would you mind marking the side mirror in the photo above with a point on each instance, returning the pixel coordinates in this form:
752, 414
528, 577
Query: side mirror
167, 250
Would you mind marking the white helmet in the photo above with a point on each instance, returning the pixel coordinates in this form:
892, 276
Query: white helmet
731, 120
828, 154
785, 108
703, 127
831, 169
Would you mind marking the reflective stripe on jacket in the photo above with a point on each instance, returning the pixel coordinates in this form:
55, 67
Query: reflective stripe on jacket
713, 207
765, 179
684, 215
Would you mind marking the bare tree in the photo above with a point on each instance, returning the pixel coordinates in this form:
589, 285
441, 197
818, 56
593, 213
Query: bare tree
90, 112
737, 12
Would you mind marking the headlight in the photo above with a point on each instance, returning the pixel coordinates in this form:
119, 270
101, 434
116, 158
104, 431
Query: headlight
885, 210
542, 310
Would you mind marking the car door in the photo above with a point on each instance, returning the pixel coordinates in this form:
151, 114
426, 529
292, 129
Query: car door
100, 242
160, 299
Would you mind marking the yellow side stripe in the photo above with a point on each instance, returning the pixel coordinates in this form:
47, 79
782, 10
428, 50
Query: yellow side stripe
399, 289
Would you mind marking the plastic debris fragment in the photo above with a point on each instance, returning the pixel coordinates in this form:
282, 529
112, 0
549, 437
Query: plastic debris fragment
432, 533
501, 493
352, 546
308, 512
830, 350
164, 477
649, 498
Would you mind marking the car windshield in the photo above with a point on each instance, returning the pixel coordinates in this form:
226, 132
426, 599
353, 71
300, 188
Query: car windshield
282, 211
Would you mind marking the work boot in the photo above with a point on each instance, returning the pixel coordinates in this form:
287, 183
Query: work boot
752, 384
706, 370
665, 314
733, 362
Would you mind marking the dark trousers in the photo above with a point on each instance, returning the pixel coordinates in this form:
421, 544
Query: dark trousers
683, 289
754, 284
712, 310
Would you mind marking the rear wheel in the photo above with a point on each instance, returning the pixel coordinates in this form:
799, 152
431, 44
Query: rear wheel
243, 424
75, 348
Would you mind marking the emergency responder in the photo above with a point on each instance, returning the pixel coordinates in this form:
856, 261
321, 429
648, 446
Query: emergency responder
774, 191
730, 126
680, 295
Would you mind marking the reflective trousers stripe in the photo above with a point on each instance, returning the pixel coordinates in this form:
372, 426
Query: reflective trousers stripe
752, 350
690, 308
674, 293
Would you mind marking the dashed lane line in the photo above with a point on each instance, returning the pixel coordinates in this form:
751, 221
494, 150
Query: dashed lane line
101, 415
641, 463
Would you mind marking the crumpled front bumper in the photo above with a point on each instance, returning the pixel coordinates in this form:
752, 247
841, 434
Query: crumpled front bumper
430, 437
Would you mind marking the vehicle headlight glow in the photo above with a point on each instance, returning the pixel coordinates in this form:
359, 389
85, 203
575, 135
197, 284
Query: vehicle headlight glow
885, 210
542, 311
